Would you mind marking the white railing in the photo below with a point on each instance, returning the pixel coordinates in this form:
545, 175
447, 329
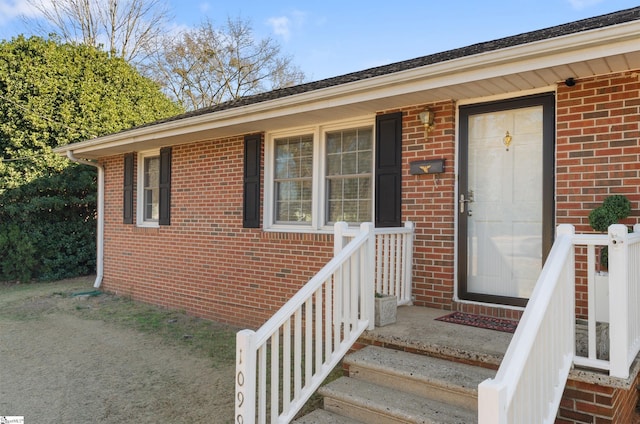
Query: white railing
394, 259
592, 243
529, 383
624, 298
279, 366
528, 386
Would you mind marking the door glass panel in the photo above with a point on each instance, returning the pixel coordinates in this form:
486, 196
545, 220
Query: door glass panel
504, 222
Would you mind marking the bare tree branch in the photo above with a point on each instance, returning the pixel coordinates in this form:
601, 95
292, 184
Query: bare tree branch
206, 66
124, 28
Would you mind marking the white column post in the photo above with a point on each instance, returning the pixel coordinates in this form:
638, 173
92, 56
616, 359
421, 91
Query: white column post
246, 377
367, 289
339, 231
492, 403
407, 277
618, 300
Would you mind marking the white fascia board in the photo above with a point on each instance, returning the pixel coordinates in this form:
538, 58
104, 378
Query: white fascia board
556, 51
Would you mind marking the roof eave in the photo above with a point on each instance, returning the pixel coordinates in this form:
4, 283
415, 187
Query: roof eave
617, 39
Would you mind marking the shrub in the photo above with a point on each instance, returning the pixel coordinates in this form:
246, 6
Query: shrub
47, 227
613, 209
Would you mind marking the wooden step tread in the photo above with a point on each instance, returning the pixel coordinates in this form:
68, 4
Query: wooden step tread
369, 402
426, 376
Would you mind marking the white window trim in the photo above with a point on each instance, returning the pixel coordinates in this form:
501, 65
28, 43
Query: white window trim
140, 221
319, 174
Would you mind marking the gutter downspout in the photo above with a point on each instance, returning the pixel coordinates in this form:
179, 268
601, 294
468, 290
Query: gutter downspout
99, 217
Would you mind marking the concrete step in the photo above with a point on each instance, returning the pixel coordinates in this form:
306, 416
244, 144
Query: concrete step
371, 403
426, 376
322, 416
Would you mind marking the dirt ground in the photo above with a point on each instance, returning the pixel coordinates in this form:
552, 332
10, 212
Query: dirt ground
59, 366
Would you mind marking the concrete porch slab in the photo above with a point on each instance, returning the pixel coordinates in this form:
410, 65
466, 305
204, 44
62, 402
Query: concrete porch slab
416, 330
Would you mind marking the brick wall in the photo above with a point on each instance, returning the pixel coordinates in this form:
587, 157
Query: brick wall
204, 262
208, 265
428, 201
612, 402
597, 152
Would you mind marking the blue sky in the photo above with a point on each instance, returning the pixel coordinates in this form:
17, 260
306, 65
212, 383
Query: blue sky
328, 37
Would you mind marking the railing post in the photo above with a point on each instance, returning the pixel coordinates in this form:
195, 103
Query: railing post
246, 377
618, 300
492, 403
408, 263
368, 264
339, 240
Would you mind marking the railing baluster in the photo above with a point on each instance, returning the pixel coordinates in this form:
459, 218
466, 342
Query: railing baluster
354, 288
385, 265
328, 313
398, 266
591, 301
286, 362
337, 307
379, 261
297, 354
275, 376
262, 390
308, 343
318, 334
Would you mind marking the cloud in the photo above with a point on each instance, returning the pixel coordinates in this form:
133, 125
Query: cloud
281, 26
284, 26
582, 4
11, 9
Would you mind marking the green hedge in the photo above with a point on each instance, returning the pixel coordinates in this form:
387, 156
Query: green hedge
48, 227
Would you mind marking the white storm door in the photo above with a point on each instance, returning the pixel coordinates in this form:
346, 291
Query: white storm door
501, 204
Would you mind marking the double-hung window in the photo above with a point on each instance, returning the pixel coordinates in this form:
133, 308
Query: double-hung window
318, 176
149, 188
349, 162
293, 179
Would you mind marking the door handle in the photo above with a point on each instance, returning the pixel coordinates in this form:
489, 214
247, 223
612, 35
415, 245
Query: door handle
463, 200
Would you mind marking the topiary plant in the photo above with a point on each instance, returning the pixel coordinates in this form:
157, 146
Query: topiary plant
613, 209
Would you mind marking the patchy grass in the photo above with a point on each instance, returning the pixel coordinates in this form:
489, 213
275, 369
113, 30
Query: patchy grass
212, 339
35, 301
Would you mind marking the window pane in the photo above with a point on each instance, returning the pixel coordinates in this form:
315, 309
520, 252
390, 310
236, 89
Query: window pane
364, 210
364, 188
350, 141
333, 164
152, 171
349, 163
334, 142
365, 139
306, 166
351, 188
282, 211
334, 189
151, 205
364, 162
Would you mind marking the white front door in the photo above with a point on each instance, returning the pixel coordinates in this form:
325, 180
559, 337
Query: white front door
501, 203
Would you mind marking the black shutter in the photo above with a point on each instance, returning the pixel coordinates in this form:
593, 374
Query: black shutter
251, 182
165, 186
127, 203
388, 170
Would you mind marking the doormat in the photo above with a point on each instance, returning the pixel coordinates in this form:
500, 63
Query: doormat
498, 324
